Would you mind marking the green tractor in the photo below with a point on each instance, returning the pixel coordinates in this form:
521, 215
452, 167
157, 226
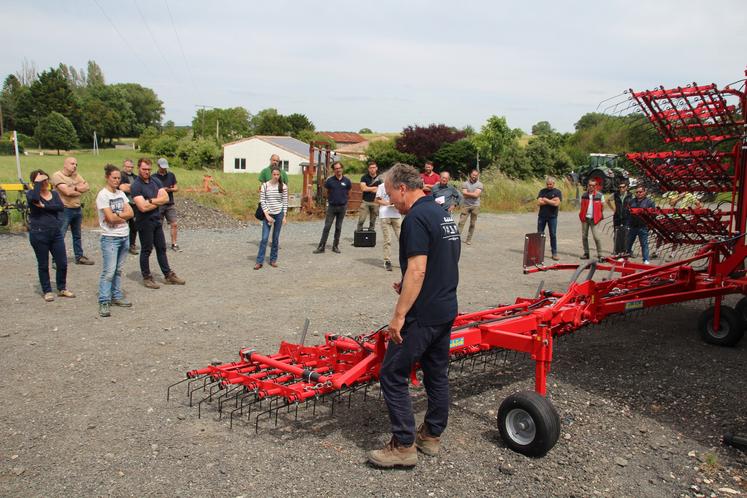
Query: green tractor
606, 169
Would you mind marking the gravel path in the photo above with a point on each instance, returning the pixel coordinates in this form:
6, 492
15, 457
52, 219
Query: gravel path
643, 402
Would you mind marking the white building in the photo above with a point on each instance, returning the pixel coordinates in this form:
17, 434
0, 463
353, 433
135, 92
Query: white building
252, 155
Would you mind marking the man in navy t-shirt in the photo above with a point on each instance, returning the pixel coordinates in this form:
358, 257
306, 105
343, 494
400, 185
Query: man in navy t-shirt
548, 201
338, 189
420, 328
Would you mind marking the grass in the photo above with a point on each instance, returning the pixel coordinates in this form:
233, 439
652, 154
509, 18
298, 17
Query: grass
501, 194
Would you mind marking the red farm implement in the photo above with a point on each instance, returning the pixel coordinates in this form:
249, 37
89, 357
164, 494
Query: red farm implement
300, 375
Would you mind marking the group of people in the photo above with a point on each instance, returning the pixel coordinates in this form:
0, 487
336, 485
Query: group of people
628, 227
127, 203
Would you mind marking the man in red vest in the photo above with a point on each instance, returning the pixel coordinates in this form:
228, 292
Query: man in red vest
591, 215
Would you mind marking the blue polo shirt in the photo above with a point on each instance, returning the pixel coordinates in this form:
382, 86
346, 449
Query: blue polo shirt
148, 191
338, 190
429, 230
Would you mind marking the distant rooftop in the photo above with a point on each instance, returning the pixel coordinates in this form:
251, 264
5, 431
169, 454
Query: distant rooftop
343, 137
286, 143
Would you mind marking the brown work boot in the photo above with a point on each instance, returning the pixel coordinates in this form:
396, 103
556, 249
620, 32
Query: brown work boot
172, 279
394, 455
425, 442
150, 283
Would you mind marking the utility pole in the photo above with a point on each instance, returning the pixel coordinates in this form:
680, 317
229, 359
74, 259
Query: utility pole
204, 108
1, 120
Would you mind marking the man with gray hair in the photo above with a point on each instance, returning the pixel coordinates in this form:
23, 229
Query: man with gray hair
548, 201
420, 327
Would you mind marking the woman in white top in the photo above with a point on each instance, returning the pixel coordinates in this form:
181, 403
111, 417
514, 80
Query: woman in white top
114, 211
273, 197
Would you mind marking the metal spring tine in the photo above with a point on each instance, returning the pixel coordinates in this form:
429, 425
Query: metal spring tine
207, 398
230, 394
241, 408
203, 388
168, 389
202, 378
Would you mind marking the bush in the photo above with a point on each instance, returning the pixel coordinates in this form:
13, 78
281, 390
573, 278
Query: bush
385, 154
147, 138
197, 154
6, 143
165, 145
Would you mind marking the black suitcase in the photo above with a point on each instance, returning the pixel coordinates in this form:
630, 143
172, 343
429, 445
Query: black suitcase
364, 238
621, 237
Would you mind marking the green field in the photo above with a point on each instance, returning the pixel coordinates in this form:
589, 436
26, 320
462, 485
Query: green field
240, 201
501, 194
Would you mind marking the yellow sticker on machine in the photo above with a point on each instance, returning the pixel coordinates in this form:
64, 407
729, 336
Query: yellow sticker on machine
455, 343
634, 305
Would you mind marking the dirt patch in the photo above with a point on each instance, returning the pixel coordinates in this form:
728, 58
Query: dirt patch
643, 402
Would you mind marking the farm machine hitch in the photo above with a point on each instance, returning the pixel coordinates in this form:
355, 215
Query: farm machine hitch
264, 386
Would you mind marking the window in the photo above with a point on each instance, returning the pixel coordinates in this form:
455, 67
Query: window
285, 165
239, 163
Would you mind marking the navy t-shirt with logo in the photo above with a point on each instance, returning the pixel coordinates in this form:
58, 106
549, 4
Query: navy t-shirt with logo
429, 230
167, 180
370, 181
547, 211
148, 191
338, 190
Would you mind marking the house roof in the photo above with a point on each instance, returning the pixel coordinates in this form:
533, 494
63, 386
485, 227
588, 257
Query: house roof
289, 144
343, 137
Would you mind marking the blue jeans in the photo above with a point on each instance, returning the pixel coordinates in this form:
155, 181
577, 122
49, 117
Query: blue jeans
114, 250
275, 238
642, 234
73, 217
45, 242
428, 345
552, 225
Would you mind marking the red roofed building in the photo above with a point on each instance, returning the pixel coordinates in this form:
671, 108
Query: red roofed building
343, 137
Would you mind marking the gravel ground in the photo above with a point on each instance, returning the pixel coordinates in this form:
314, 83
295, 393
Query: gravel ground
643, 402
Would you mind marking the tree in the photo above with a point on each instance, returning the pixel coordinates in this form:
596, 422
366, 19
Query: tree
95, 75
494, 137
144, 102
458, 158
270, 122
56, 132
542, 128
423, 141
365, 130
107, 112
232, 123
50, 92
11, 93
385, 154
147, 138
198, 153
513, 162
27, 74
299, 123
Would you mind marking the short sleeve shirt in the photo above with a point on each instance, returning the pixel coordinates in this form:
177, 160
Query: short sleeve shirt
370, 182
115, 201
128, 179
386, 211
148, 190
338, 190
167, 180
547, 211
71, 181
472, 187
429, 230
266, 174
431, 179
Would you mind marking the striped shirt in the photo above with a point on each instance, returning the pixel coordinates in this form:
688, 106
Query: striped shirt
272, 201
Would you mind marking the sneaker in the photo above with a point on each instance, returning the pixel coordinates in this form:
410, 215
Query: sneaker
104, 309
83, 261
584, 256
258, 266
133, 250
646, 262
388, 265
336, 249
172, 279
394, 455
66, 293
468, 242
49, 297
318, 250
273, 264
426, 443
150, 283
122, 303
175, 248
601, 259
555, 257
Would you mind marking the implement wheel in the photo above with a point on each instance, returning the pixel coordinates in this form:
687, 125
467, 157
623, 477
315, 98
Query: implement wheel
528, 423
730, 330
741, 309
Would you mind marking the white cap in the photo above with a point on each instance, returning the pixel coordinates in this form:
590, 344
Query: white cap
163, 163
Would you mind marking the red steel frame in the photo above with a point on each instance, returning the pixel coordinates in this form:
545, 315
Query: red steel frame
298, 373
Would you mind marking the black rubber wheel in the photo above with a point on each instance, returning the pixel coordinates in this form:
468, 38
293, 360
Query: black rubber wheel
730, 331
528, 423
4, 218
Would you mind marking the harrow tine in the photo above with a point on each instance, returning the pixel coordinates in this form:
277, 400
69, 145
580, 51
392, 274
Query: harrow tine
240, 409
205, 386
168, 389
230, 394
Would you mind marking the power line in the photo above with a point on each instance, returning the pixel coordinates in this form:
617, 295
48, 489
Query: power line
141, 61
155, 42
181, 48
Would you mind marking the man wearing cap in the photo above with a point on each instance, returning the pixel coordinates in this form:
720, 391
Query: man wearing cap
168, 211
71, 186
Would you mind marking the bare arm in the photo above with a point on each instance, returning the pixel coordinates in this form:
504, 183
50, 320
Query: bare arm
82, 186
162, 198
471, 195
412, 283
124, 187
68, 190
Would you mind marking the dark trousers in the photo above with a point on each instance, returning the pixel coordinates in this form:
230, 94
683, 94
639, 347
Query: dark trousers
430, 346
45, 242
151, 235
336, 213
552, 226
133, 228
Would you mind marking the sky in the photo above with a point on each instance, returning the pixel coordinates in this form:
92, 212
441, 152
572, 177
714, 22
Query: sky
387, 64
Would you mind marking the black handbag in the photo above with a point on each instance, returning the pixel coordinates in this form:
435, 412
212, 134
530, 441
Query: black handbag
259, 214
